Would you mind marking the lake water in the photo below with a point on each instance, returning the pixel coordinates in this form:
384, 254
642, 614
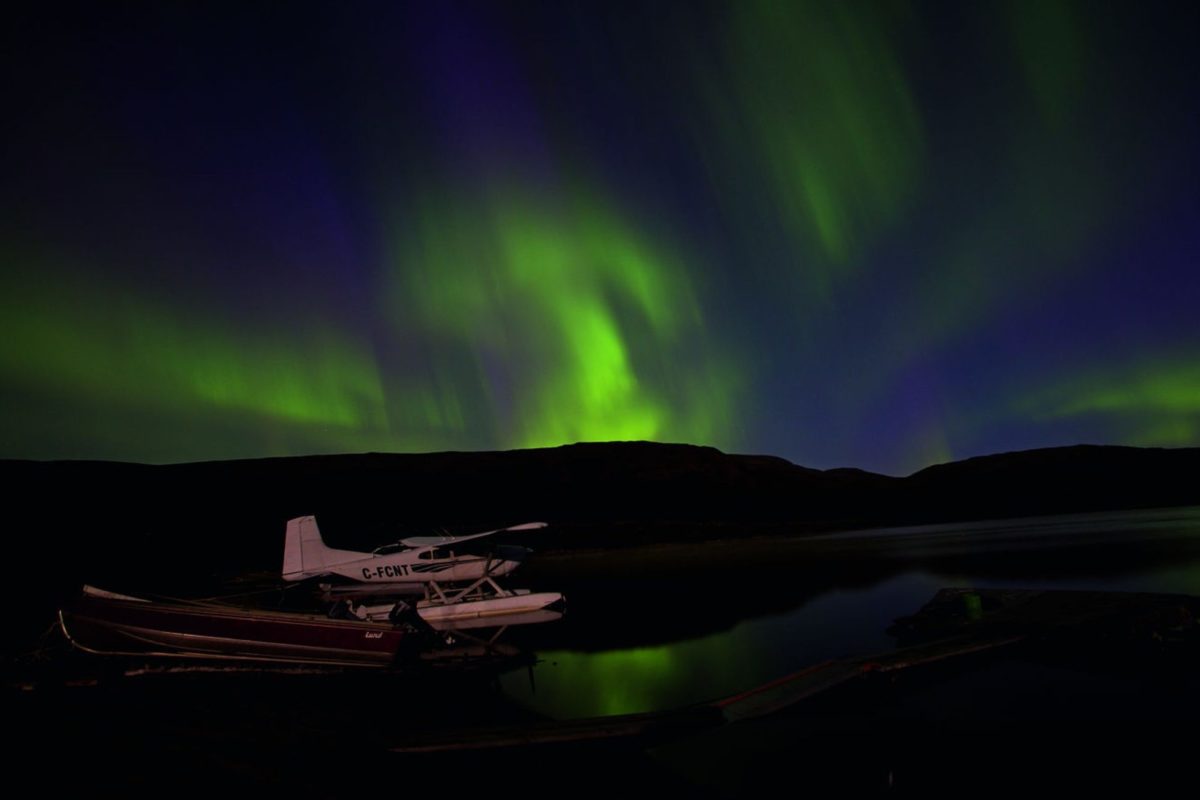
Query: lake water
778, 606
666, 626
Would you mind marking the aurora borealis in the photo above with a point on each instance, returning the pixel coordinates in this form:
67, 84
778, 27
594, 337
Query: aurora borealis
851, 234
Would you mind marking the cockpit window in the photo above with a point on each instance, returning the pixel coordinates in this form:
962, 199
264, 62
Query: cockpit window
436, 553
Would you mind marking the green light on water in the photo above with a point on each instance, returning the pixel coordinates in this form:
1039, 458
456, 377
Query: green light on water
621, 682
570, 684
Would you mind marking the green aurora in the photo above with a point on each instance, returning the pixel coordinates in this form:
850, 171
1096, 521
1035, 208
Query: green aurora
879, 235
572, 325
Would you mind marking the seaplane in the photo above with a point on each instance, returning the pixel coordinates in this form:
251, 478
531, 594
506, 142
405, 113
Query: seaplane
456, 574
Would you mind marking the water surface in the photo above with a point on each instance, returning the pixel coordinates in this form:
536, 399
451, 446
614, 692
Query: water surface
708, 621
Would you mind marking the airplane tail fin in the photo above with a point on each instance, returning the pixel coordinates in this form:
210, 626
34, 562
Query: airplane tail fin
305, 553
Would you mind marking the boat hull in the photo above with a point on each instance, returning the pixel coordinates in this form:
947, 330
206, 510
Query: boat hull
129, 626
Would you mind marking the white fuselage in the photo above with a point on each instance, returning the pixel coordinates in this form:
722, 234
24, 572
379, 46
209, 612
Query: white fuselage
415, 561
420, 567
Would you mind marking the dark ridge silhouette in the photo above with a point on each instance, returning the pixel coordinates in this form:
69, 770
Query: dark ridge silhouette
1054, 480
172, 523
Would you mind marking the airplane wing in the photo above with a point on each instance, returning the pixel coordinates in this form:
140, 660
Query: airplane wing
442, 541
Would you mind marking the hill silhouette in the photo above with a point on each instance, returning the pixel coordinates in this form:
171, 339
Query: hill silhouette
68, 518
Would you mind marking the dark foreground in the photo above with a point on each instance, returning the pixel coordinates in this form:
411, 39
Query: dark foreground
989, 691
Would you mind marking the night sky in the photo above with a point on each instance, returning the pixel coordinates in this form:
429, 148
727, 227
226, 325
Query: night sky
881, 235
